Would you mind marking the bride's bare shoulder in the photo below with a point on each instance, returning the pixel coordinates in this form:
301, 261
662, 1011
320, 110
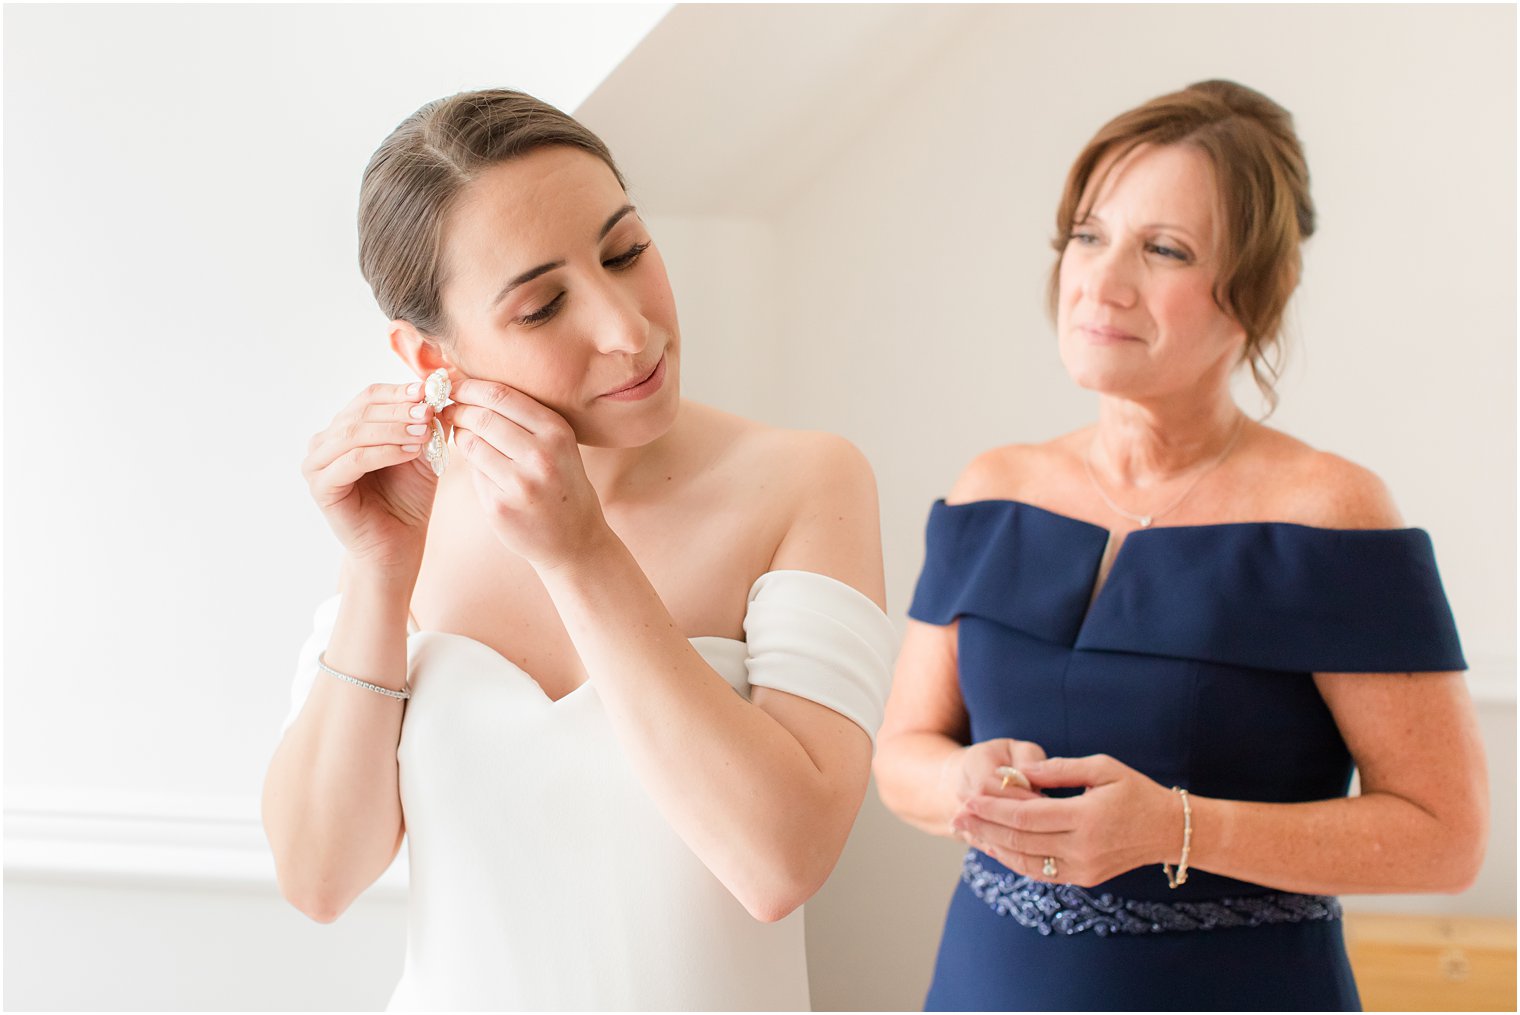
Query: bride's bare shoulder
781, 459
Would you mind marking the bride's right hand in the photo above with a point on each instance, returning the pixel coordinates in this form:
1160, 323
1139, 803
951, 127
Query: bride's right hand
367, 473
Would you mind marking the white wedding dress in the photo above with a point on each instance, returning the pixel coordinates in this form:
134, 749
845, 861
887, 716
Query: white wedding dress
542, 874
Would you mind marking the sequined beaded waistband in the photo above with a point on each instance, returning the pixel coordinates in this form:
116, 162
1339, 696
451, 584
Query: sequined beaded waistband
1068, 909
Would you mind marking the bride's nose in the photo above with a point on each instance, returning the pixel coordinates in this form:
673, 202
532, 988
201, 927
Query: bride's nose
618, 324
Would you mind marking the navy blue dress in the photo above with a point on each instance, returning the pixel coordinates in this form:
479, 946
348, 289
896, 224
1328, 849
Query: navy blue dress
1194, 666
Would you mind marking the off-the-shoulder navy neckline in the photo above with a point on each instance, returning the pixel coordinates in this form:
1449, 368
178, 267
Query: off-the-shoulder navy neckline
1009, 502
1273, 595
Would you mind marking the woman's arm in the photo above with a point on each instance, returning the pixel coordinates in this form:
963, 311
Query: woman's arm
924, 772
332, 804
331, 807
1420, 823
763, 791
923, 735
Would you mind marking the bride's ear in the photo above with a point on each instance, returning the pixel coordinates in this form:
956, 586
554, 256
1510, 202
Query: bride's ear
423, 355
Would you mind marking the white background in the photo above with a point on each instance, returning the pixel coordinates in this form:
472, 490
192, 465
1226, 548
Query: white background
855, 204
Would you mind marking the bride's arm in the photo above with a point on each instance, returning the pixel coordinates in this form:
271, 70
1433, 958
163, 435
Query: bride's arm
763, 791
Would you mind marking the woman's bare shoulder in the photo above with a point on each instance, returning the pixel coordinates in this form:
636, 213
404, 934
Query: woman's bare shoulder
1314, 487
782, 458
1016, 471
819, 492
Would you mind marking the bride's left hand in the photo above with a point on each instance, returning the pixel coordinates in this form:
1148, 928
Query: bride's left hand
1122, 820
527, 470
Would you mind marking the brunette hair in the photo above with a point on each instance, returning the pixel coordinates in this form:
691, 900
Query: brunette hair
417, 173
1263, 184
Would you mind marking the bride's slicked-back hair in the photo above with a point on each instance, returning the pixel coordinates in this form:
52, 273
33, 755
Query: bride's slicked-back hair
1263, 184
418, 172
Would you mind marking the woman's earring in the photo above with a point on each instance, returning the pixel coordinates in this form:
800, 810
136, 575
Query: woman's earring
435, 391
437, 450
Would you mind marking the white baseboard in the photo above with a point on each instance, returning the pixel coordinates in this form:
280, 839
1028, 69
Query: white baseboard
143, 839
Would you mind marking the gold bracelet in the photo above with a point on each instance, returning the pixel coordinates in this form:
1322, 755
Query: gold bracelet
1187, 842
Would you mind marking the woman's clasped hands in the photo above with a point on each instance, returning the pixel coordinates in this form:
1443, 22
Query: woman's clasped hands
1120, 821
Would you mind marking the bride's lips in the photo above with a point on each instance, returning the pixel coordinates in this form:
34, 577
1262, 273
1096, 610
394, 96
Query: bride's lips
641, 388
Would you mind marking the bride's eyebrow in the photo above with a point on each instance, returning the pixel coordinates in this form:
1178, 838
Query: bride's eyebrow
525, 278
533, 273
617, 217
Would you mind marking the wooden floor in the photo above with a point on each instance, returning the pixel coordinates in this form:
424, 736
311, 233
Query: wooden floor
1428, 963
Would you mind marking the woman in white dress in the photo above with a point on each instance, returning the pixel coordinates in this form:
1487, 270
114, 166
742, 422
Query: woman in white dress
643, 639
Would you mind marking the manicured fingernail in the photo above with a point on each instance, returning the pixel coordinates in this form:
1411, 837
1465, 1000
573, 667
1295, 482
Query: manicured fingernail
417, 428
415, 388
411, 448
419, 410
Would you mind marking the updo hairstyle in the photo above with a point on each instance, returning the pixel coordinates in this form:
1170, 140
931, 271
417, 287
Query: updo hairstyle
417, 173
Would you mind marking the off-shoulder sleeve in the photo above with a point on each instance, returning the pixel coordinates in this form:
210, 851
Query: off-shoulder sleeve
322, 622
1024, 567
818, 638
1280, 596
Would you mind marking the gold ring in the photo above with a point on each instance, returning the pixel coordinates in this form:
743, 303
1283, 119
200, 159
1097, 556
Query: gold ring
1012, 775
1049, 870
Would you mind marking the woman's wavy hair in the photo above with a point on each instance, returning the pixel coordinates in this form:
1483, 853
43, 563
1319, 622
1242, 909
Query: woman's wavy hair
418, 172
1263, 184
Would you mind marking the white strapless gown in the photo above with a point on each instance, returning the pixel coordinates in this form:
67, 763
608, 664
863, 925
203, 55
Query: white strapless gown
542, 874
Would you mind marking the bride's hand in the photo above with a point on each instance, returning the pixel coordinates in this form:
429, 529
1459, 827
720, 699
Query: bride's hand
367, 475
527, 470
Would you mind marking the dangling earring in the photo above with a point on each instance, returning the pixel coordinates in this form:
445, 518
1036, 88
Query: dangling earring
437, 450
436, 391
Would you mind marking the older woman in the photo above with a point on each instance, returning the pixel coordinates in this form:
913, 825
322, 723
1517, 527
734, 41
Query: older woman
614, 673
1146, 656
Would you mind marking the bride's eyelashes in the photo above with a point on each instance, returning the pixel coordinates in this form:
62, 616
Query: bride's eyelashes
621, 262
627, 258
543, 313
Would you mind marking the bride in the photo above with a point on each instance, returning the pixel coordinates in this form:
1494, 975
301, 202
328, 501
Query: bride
614, 670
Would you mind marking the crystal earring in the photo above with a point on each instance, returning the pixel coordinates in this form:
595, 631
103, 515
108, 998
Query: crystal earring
435, 391
437, 450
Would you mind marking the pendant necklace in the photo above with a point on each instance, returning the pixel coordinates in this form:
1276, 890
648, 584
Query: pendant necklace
1146, 520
